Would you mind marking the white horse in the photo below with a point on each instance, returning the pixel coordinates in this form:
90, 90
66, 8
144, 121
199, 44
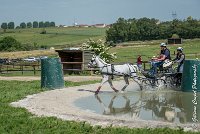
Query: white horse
108, 70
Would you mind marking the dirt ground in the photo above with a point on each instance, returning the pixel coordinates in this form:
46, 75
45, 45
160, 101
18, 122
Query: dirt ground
66, 78
60, 103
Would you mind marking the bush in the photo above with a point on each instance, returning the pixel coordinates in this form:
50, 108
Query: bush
10, 44
100, 48
43, 31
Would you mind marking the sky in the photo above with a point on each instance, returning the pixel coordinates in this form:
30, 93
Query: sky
66, 12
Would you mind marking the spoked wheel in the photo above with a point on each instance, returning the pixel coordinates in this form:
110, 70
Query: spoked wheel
178, 83
153, 84
146, 84
160, 83
170, 82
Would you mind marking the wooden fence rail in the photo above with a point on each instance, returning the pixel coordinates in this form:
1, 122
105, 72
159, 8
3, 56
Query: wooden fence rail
19, 68
16, 67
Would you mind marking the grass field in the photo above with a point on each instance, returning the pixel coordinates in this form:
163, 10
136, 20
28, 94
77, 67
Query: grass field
55, 36
71, 37
129, 53
20, 121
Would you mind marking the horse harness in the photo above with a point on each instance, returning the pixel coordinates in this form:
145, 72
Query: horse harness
113, 71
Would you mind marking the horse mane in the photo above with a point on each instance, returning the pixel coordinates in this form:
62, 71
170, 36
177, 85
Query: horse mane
102, 60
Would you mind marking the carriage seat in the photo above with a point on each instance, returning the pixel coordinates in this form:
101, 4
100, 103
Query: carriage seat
167, 64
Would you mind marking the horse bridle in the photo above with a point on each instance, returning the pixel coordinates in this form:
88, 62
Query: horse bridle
91, 63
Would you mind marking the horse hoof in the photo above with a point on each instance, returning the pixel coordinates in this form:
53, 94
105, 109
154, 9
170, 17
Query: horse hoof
116, 91
96, 92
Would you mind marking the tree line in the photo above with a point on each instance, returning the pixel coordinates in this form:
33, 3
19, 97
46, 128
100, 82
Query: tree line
35, 24
152, 29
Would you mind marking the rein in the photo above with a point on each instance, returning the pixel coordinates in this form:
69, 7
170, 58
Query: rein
109, 69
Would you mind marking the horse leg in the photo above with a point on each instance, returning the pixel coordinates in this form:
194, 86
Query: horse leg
111, 85
127, 83
135, 78
104, 80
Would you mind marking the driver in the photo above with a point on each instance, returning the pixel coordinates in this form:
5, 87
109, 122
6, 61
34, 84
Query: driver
180, 58
158, 61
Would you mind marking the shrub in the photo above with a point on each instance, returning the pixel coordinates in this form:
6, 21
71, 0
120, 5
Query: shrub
100, 48
43, 31
10, 44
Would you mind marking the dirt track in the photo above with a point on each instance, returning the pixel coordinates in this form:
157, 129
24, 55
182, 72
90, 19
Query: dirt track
67, 78
60, 103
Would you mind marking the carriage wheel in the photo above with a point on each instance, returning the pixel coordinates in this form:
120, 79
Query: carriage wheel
160, 83
146, 83
169, 81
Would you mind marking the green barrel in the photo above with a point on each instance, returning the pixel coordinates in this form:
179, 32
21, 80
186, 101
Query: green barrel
191, 76
51, 74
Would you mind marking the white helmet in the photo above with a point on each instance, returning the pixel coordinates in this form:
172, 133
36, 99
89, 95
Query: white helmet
180, 49
163, 44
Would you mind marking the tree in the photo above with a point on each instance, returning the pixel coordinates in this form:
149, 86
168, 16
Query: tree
11, 25
47, 24
35, 24
17, 27
29, 25
52, 24
4, 26
23, 25
150, 29
41, 24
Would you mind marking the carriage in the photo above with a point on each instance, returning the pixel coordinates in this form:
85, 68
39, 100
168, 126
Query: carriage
166, 76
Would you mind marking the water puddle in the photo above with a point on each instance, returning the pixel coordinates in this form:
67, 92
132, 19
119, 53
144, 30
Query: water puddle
165, 105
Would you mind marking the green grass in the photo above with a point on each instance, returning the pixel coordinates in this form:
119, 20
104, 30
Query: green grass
55, 36
20, 121
147, 50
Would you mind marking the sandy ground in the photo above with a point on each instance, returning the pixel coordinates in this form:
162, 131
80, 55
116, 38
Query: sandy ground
60, 103
67, 78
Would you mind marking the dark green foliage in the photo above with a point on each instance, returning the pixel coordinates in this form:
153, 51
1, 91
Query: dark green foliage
47, 24
29, 25
4, 25
11, 25
35, 24
23, 25
52, 24
41, 24
151, 29
29, 47
10, 44
17, 27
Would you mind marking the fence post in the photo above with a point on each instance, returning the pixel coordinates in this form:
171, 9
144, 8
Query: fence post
34, 69
22, 69
144, 65
0, 68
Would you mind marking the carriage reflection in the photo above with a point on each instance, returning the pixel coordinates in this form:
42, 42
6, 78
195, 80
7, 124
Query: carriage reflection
163, 106
131, 110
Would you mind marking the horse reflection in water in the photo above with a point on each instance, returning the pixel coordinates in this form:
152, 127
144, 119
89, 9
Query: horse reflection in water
164, 106
132, 110
109, 70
